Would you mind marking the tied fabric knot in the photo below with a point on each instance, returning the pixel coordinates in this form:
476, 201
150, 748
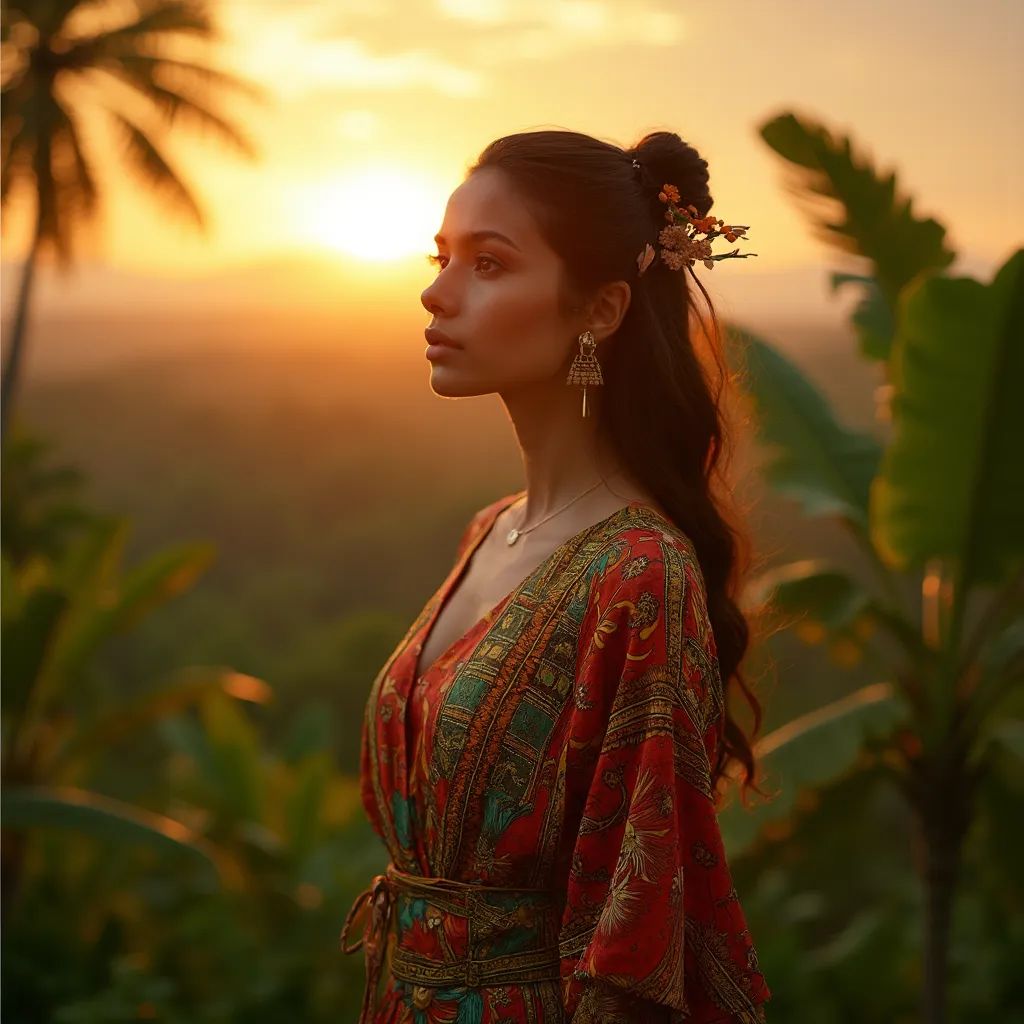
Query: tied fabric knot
524, 953
379, 898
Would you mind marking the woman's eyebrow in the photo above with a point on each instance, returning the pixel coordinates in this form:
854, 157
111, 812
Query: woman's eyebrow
476, 236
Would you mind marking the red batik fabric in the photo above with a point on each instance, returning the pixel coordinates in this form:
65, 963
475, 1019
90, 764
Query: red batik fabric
565, 742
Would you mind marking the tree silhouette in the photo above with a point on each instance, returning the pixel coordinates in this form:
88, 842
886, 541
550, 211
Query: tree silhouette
63, 57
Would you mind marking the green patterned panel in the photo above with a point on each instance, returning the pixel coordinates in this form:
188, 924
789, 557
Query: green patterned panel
511, 623
466, 692
531, 725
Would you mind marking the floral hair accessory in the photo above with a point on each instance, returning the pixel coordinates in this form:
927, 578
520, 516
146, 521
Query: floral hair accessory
680, 245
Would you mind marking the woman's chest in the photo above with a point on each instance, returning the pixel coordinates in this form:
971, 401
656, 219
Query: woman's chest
482, 729
469, 603
465, 609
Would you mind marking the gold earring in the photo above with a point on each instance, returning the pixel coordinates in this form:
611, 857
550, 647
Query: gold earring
585, 369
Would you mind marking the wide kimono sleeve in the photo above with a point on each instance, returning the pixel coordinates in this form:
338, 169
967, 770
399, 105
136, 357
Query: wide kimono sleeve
652, 928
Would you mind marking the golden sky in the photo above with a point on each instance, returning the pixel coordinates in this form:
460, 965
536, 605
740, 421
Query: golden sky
378, 106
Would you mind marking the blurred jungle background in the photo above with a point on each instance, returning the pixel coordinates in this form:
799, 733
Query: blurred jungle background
228, 487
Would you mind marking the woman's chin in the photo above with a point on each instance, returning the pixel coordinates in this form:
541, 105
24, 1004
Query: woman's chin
446, 383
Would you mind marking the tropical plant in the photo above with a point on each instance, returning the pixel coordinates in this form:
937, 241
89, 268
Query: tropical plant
63, 62
202, 884
293, 851
38, 510
61, 603
936, 508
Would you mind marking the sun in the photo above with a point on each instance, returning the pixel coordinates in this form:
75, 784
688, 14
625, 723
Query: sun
377, 214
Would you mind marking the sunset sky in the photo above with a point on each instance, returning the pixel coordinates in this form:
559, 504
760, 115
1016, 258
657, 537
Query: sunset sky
378, 106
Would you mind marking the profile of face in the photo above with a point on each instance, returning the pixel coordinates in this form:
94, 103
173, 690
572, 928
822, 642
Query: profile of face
496, 295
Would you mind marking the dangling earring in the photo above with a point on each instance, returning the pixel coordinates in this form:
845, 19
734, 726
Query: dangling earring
585, 369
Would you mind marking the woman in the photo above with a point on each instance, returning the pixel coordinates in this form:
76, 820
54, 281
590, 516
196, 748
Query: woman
540, 753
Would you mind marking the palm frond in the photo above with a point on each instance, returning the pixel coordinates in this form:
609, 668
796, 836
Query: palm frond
160, 17
47, 199
151, 165
16, 147
173, 105
50, 150
147, 66
46, 18
78, 184
878, 222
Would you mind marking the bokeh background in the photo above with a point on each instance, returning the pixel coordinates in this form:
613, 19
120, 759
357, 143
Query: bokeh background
228, 488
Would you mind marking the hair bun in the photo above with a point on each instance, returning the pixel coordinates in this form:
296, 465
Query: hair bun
666, 159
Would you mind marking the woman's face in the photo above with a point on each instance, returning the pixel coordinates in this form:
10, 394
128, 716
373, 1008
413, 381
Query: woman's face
496, 298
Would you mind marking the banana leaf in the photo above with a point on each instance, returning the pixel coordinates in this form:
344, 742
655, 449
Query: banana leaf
811, 750
950, 486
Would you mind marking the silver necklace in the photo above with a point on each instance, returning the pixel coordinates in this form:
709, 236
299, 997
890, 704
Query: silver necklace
514, 534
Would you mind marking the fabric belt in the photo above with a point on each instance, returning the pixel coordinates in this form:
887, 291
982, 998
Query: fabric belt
484, 933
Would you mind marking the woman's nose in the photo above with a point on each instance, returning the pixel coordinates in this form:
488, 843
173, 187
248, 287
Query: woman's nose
429, 298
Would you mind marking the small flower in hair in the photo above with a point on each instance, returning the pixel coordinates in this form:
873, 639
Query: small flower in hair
680, 246
643, 261
669, 194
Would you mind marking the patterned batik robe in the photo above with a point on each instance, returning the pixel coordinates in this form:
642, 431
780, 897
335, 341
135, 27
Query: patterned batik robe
565, 742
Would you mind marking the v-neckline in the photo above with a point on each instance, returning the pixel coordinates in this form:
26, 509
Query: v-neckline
460, 569
454, 579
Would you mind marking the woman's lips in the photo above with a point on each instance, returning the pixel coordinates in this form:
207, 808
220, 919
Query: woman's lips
435, 336
440, 344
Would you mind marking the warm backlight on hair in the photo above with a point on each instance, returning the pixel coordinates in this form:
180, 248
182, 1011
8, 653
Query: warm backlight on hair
374, 214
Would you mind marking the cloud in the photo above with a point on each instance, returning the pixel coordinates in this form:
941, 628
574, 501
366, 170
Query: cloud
448, 47
486, 12
548, 28
287, 49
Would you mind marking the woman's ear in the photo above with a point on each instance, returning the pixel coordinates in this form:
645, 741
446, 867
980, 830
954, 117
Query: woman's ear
607, 308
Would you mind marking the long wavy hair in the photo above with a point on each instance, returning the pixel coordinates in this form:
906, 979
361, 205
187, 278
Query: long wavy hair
660, 411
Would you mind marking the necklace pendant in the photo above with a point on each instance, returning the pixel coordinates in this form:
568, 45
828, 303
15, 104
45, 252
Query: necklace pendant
513, 536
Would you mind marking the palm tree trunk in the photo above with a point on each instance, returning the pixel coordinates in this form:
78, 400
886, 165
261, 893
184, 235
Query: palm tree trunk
13, 359
946, 809
942, 864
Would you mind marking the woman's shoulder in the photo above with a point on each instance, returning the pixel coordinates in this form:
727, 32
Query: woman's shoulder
645, 629
643, 536
642, 558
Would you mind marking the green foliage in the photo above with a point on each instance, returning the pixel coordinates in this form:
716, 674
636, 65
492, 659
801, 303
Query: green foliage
833, 907
877, 224
812, 458
216, 896
808, 752
938, 505
37, 508
957, 370
76, 810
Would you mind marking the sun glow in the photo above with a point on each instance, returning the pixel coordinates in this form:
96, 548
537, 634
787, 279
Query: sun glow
375, 214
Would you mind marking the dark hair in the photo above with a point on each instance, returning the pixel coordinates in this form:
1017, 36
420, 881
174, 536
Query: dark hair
658, 409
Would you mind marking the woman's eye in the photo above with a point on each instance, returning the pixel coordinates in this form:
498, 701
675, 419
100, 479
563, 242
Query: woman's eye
442, 261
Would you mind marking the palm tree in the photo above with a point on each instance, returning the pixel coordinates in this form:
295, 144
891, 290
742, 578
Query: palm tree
54, 67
